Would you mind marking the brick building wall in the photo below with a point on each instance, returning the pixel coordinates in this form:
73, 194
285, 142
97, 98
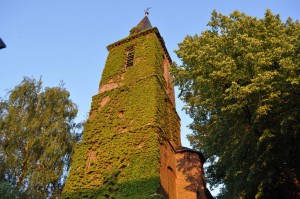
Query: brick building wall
131, 145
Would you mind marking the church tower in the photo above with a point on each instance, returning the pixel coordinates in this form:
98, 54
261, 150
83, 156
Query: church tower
131, 146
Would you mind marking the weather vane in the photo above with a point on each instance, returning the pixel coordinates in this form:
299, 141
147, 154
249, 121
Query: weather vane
147, 11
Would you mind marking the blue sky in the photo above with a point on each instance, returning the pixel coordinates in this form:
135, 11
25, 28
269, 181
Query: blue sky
66, 39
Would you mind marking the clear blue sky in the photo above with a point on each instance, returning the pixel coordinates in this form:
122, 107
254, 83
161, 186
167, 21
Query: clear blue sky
66, 39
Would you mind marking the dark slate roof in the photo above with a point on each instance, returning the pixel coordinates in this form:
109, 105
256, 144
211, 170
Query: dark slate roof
2, 44
186, 149
144, 24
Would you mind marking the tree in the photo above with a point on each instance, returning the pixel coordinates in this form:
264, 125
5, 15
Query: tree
37, 138
240, 81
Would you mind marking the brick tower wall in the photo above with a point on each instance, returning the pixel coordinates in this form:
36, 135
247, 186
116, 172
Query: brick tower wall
130, 117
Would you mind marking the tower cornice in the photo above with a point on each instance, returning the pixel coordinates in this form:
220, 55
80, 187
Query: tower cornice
139, 34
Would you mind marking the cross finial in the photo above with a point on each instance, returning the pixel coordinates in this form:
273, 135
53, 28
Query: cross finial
147, 11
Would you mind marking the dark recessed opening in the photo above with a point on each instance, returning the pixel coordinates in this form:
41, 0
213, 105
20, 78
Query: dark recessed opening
130, 56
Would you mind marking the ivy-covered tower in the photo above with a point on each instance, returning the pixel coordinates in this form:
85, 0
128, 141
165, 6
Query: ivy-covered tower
131, 145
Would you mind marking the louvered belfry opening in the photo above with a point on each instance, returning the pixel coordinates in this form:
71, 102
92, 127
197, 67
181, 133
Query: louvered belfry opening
130, 56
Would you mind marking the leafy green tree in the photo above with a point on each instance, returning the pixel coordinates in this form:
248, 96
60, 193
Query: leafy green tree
240, 81
6, 191
37, 137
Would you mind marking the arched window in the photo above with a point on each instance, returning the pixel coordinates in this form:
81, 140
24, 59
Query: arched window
171, 183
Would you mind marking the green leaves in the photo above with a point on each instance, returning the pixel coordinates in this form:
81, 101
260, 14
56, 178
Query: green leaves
37, 137
136, 118
240, 80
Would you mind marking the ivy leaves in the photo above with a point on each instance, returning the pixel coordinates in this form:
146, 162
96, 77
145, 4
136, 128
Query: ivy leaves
240, 80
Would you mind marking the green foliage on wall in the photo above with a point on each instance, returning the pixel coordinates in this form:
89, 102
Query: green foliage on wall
119, 154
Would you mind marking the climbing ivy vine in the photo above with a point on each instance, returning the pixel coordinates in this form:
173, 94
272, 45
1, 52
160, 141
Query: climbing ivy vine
119, 155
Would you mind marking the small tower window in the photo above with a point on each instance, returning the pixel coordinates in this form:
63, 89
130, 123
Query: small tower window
130, 56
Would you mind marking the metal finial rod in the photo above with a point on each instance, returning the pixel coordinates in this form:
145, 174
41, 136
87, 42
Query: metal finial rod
147, 11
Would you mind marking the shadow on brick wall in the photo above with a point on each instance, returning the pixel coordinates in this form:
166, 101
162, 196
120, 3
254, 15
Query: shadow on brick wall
190, 165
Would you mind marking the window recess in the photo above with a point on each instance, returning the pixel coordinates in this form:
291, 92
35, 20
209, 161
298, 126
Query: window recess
130, 56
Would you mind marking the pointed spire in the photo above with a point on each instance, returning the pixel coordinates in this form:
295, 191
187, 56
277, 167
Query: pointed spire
144, 24
2, 44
